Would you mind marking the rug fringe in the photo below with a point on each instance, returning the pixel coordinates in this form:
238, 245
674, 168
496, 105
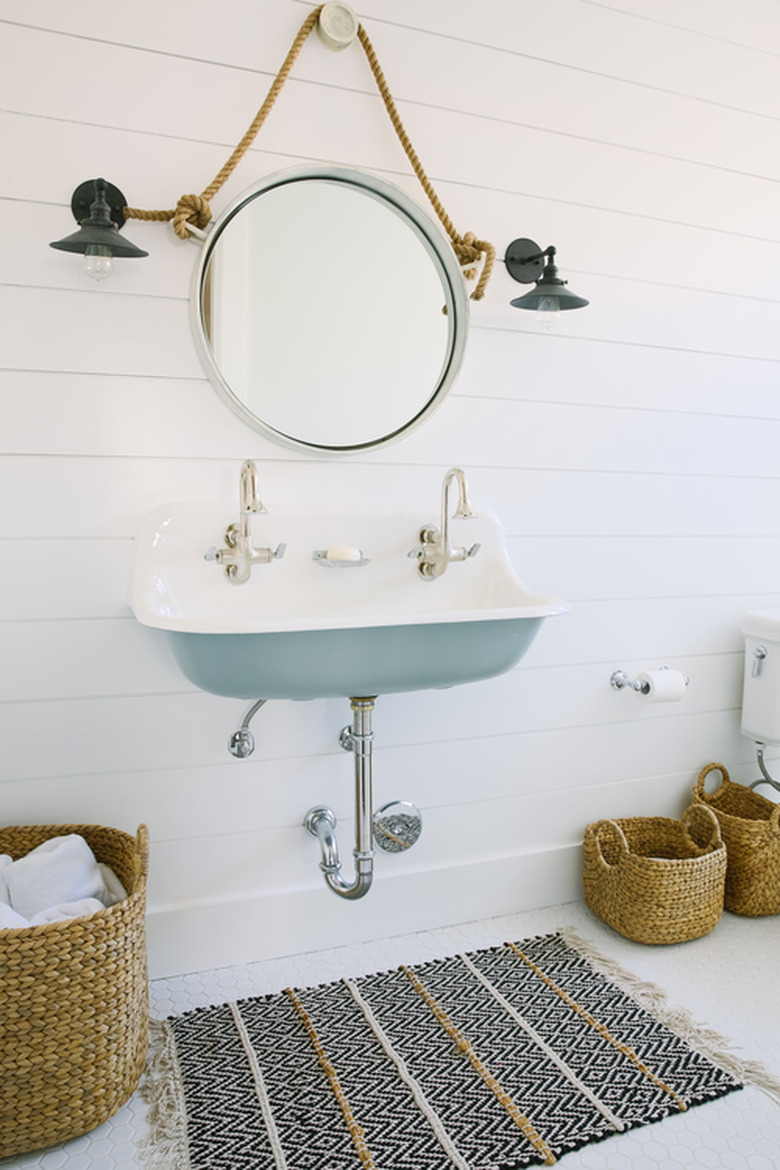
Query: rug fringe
714, 1045
165, 1147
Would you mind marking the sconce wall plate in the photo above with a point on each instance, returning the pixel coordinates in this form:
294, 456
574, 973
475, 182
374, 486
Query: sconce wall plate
84, 196
524, 261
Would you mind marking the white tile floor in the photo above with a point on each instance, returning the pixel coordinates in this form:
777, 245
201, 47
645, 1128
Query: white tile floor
729, 980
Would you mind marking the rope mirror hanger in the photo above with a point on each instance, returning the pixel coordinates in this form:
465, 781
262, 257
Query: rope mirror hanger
194, 211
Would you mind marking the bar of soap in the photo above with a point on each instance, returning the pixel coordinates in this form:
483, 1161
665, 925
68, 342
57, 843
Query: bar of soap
343, 554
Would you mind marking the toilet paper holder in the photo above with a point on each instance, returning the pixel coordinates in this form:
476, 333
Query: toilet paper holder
619, 680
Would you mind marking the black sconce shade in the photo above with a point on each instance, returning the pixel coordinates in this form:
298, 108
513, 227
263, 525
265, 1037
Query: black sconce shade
99, 209
527, 263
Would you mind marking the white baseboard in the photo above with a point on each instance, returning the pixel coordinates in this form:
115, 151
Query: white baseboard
224, 934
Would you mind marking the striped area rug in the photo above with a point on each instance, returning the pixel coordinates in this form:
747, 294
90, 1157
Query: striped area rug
495, 1059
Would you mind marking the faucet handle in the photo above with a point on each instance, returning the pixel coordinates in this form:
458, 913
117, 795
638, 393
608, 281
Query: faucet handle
264, 556
464, 554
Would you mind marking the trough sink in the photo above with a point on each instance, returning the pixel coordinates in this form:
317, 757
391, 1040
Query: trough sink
305, 627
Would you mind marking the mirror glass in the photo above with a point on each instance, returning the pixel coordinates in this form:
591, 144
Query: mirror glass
329, 310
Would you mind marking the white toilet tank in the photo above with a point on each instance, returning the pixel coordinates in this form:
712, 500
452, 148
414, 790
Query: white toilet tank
761, 690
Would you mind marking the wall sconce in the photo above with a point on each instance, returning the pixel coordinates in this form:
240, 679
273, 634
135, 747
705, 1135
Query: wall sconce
526, 262
99, 209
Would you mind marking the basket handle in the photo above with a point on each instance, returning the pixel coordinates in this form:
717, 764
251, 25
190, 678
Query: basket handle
698, 788
774, 819
621, 838
703, 810
142, 844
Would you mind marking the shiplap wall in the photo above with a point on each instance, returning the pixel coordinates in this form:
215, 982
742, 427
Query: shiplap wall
633, 455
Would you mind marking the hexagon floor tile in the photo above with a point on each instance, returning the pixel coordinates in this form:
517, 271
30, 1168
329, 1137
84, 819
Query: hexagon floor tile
729, 980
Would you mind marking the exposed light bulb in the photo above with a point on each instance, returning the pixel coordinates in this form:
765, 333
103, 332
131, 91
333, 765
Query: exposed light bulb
548, 312
98, 261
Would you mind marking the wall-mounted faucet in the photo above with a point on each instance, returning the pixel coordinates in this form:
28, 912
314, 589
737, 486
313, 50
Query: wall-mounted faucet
434, 552
240, 554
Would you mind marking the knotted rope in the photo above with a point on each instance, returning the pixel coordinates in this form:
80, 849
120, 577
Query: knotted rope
194, 210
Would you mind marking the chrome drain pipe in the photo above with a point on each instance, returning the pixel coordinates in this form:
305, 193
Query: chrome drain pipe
321, 823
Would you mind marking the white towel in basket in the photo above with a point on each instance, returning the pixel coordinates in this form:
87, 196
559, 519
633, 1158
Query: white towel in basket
60, 879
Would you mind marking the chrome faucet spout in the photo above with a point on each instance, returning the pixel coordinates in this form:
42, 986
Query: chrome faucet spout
249, 491
250, 502
463, 510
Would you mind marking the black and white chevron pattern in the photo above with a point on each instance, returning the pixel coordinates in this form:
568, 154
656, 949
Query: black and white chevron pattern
257, 1097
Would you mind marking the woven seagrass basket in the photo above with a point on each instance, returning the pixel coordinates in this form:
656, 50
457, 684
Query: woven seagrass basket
656, 880
74, 1009
750, 825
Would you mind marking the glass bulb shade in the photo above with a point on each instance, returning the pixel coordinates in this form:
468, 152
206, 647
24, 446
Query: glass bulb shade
548, 312
98, 261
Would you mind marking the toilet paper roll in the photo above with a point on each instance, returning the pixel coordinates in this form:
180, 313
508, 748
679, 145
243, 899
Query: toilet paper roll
666, 686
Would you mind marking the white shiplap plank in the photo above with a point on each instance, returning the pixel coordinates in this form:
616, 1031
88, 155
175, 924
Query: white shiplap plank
535, 502
757, 27
108, 497
644, 314
95, 737
531, 700
550, 366
700, 65
92, 579
592, 568
652, 631
127, 334
638, 442
56, 412
640, 51
186, 938
85, 658
538, 435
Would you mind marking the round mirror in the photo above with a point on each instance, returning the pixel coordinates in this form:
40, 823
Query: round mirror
329, 310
